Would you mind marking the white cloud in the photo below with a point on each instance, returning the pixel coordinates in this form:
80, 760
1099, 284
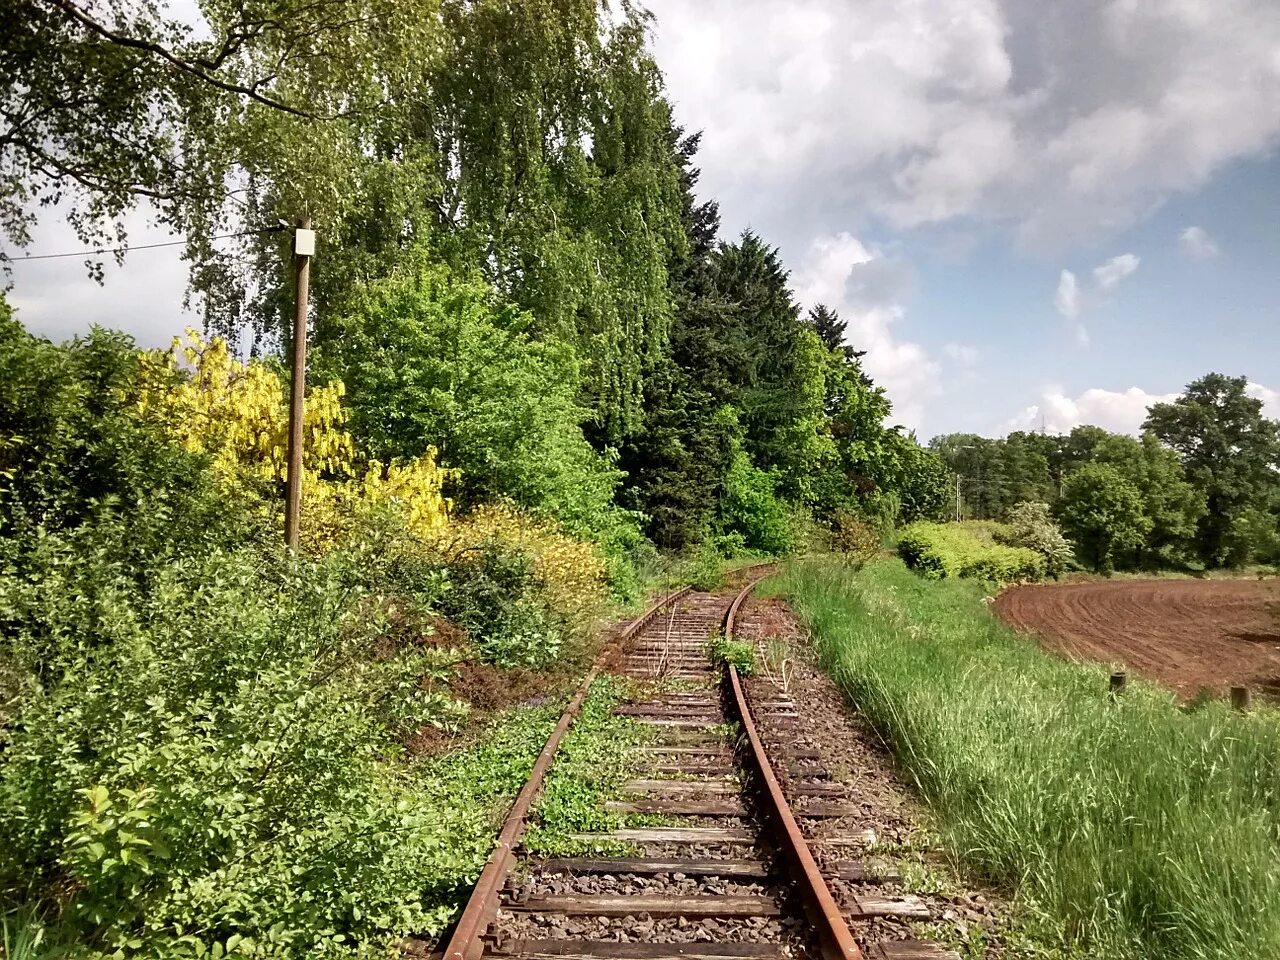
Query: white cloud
961, 353
859, 283
1115, 270
1121, 411
1196, 243
1061, 119
1270, 399
1066, 300
1067, 297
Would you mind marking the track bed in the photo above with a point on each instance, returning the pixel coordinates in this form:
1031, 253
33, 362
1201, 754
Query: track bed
715, 873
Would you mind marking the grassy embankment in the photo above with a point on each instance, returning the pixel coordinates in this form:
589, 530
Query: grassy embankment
1127, 830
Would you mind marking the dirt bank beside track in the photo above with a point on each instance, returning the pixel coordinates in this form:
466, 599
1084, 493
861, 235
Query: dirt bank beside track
1186, 634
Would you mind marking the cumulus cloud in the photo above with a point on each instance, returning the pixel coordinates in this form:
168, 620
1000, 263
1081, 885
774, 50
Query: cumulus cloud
1065, 119
1115, 270
1270, 399
1121, 411
865, 287
1195, 242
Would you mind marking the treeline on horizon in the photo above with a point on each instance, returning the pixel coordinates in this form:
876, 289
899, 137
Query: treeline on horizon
1199, 488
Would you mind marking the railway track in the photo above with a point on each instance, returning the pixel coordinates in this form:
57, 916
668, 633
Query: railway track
732, 872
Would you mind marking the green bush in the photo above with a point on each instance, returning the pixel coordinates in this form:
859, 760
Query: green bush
433, 359
856, 540
753, 509
937, 550
205, 761
1031, 525
73, 450
706, 568
494, 595
735, 653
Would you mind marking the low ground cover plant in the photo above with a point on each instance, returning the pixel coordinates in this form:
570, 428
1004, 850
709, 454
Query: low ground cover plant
736, 653
1127, 829
938, 550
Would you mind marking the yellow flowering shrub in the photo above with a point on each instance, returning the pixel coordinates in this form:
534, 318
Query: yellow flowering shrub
573, 571
239, 414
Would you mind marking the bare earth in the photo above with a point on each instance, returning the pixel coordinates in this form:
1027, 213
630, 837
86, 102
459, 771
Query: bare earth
1186, 634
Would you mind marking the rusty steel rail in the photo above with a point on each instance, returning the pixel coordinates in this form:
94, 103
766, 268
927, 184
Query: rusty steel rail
834, 934
482, 905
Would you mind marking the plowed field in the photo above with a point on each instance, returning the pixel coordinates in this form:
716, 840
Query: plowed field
1186, 634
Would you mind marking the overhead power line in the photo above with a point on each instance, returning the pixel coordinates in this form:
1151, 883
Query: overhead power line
140, 246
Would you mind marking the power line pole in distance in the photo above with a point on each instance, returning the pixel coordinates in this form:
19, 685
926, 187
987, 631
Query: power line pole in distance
304, 248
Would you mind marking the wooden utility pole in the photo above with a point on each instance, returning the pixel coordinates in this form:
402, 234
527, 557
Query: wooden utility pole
304, 247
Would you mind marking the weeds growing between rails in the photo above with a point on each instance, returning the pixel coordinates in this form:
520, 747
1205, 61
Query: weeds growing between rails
1132, 829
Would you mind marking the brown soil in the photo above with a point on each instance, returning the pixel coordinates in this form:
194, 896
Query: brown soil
961, 913
1186, 634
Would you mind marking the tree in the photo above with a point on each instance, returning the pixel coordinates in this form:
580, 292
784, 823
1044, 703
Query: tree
264, 110
1174, 505
433, 360
919, 477
1102, 512
677, 463
996, 474
826, 323
1228, 449
780, 366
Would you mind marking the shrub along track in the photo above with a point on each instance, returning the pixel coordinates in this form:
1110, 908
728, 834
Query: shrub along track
728, 873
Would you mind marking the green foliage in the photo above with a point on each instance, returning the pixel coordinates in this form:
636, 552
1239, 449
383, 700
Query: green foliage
1229, 450
937, 550
733, 653
1031, 525
228, 779
996, 474
551, 146
433, 360
1130, 830
854, 538
920, 479
595, 759
1173, 505
706, 567
72, 449
494, 595
1103, 513
753, 509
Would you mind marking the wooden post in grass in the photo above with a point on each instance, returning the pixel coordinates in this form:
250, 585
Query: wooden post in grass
1240, 698
1116, 686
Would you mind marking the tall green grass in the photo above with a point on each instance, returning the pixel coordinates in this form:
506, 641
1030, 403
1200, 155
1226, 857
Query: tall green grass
1131, 829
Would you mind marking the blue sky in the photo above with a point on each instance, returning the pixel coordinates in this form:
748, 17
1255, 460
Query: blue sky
995, 194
